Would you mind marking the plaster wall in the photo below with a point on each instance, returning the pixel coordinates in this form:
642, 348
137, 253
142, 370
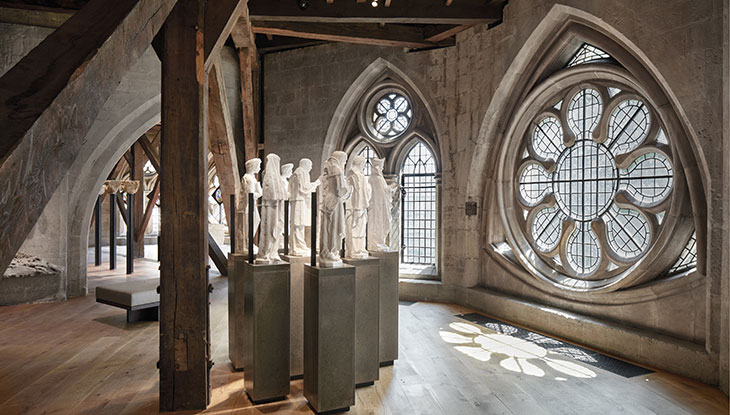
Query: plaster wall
680, 43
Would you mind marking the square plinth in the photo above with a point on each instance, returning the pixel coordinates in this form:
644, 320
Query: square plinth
296, 323
389, 263
329, 337
266, 323
235, 310
367, 319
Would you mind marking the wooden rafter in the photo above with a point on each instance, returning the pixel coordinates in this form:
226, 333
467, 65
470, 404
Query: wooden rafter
362, 33
438, 33
403, 11
221, 141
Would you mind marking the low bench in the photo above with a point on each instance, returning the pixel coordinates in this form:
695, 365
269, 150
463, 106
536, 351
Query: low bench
140, 298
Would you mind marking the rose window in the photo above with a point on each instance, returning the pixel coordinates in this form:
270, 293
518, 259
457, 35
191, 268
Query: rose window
594, 181
390, 116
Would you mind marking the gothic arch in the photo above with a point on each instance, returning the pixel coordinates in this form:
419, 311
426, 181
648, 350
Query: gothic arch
564, 26
348, 107
131, 111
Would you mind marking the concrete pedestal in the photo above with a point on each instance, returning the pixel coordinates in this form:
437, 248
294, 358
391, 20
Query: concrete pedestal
266, 323
296, 323
389, 263
329, 337
367, 319
235, 310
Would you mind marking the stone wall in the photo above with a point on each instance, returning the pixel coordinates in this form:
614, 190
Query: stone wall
680, 44
62, 233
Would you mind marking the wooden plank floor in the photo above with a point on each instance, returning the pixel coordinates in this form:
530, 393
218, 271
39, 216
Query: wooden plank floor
80, 357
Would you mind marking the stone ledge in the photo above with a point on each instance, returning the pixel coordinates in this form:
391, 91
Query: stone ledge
30, 279
641, 346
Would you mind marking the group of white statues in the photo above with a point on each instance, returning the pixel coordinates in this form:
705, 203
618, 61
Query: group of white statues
346, 202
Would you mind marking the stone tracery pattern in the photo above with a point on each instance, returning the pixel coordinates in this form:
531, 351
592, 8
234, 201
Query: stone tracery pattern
391, 116
597, 162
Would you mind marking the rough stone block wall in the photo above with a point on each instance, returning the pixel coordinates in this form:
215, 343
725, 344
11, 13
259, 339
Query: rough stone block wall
682, 40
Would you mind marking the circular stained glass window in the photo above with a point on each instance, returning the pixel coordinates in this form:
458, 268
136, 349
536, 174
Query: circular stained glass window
593, 181
389, 116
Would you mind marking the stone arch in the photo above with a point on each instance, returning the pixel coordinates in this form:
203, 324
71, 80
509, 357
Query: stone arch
336, 137
131, 111
561, 26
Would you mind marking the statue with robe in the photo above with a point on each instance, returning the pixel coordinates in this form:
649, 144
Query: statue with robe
286, 173
379, 210
272, 202
334, 193
356, 214
249, 184
300, 189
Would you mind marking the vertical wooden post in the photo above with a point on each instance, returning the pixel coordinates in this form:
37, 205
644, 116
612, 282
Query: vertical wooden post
97, 232
251, 230
313, 242
286, 227
184, 350
232, 224
113, 231
137, 173
130, 233
248, 60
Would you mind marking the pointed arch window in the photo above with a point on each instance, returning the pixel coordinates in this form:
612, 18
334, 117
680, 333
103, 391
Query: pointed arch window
418, 223
586, 54
592, 185
369, 154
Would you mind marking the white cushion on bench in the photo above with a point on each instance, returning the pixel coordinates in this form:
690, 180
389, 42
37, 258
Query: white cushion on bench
130, 293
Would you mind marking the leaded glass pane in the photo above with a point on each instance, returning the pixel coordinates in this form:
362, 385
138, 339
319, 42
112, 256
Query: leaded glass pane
419, 207
588, 53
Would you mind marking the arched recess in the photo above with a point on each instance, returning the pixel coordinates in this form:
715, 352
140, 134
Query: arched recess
546, 51
562, 27
350, 131
131, 111
345, 116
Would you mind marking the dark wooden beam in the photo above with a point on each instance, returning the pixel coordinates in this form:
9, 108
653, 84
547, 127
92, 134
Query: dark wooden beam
363, 33
220, 17
248, 60
222, 142
154, 196
402, 11
33, 16
65, 5
137, 173
184, 352
280, 43
217, 255
151, 153
51, 97
437, 33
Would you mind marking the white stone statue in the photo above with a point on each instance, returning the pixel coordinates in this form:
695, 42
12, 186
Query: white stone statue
286, 172
380, 205
300, 190
272, 201
335, 191
249, 184
357, 210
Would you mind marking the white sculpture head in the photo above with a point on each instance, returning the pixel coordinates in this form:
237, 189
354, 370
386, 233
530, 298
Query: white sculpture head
376, 164
286, 170
305, 164
358, 162
253, 166
341, 157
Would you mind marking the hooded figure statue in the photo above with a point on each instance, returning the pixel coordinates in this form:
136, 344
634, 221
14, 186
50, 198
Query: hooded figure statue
272, 203
334, 193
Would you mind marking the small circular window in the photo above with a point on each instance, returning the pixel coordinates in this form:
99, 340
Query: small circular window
388, 115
